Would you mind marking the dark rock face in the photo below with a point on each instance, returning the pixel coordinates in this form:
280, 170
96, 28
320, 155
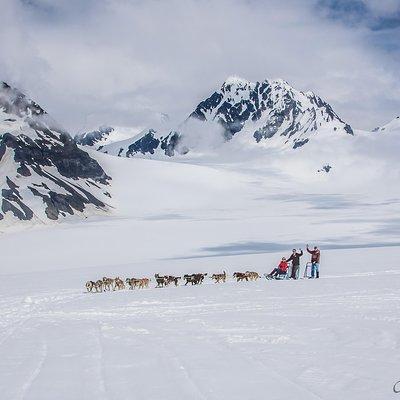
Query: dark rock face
146, 144
349, 129
169, 143
326, 168
91, 138
23, 170
56, 203
300, 143
45, 153
11, 198
62, 153
208, 104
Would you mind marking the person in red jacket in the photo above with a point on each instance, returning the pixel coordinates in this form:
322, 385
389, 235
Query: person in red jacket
280, 270
315, 259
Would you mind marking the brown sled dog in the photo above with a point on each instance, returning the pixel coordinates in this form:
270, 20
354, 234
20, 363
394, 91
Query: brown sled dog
132, 282
194, 279
219, 277
108, 283
143, 283
137, 283
118, 284
173, 279
240, 276
253, 276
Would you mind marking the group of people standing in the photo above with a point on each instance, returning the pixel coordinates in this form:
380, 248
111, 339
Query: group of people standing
282, 268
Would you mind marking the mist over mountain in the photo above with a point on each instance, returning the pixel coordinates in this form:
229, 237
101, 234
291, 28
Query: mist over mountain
270, 113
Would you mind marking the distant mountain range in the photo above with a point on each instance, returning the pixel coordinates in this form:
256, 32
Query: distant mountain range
270, 113
45, 174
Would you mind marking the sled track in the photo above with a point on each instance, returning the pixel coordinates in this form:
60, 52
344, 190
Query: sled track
285, 339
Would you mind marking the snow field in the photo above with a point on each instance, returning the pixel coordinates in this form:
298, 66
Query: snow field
336, 337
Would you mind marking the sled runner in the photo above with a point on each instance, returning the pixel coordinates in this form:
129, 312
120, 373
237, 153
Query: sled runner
280, 277
307, 271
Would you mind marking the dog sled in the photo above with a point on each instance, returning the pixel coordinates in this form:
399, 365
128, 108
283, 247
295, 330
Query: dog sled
307, 271
279, 277
278, 274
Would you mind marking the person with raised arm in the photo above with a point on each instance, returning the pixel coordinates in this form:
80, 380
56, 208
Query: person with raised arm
295, 259
315, 261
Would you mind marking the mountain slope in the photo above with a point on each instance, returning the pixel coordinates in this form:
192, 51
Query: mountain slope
393, 125
148, 142
105, 135
95, 138
269, 113
44, 175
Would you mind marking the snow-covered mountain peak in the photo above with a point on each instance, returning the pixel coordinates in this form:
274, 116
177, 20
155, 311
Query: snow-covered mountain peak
235, 83
13, 101
43, 174
236, 80
271, 108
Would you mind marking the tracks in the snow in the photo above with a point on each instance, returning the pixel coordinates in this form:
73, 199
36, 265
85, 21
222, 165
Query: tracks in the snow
230, 341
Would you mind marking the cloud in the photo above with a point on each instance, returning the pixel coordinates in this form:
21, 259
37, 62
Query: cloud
123, 62
383, 7
375, 14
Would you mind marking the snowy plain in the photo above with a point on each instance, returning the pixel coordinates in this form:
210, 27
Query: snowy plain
336, 337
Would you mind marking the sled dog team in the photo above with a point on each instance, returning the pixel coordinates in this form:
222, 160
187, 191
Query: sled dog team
280, 272
109, 284
104, 284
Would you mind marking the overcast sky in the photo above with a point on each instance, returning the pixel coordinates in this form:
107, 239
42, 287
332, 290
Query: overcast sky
120, 62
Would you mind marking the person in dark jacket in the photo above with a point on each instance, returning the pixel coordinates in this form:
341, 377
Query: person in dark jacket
315, 260
295, 259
